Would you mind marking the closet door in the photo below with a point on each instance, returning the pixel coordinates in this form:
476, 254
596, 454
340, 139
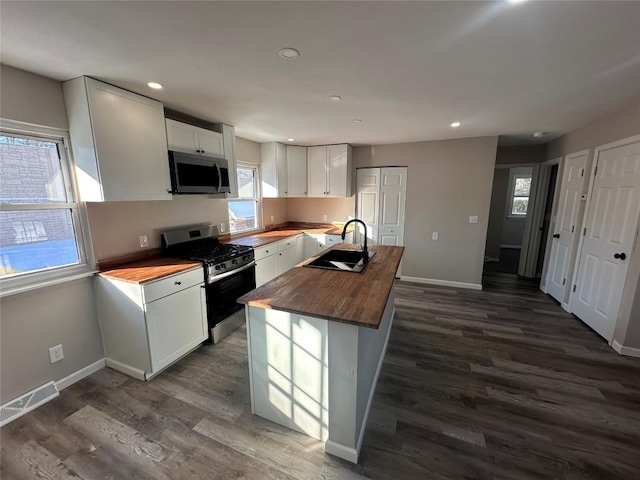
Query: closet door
368, 188
611, 225
564, 233
393, 193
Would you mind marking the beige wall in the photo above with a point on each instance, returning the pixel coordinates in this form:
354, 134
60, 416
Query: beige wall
313, 209
247, 151
115, 226
520, 154
30, 98
617, 126
33, 322
448, 181
496, 212
276, 208
64, 314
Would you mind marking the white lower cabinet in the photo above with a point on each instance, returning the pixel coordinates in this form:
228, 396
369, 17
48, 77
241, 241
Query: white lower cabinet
147, 327
315, 243
276, 258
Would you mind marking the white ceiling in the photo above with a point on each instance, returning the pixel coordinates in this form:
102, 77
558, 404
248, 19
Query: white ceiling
407, 69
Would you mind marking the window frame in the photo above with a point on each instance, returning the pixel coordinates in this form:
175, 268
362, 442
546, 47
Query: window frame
514, 174
257, 199
86, 261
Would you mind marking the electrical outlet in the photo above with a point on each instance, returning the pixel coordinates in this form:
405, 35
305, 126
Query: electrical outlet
222, 227
434, 236
473, 219
144, 241
324, 217
56, 354
273, 219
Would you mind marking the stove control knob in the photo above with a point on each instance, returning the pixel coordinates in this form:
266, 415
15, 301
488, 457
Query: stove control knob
234, 262
217, 267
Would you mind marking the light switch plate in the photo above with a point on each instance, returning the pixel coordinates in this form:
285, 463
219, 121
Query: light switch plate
273, 219
144, 241
56, 354
222, 227
324, 218
434, 236
473, 219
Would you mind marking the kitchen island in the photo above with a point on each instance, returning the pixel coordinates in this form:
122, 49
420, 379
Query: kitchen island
316, 341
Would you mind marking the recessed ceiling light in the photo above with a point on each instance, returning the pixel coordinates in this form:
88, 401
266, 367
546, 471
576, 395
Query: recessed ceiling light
154, 85
356, 120
290, 139
456, 124
539, 134
289, 53
334, 98
514, 2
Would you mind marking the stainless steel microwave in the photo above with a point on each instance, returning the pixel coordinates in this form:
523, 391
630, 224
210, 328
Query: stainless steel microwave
193, 174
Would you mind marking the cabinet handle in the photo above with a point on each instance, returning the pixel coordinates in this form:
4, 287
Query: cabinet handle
201, 151
169, 190
621, 256
178, 283
266, 251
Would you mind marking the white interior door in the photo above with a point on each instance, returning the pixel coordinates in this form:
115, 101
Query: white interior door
564, 232
368, 188
393, 193
612, 221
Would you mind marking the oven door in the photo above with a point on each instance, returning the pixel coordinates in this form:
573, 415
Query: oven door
223, 292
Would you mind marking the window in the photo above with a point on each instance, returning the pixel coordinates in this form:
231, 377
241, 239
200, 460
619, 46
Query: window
39, 216
243, 213
520, 187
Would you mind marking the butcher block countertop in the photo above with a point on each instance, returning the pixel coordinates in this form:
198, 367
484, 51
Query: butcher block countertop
284, 231
149, 269
355, 298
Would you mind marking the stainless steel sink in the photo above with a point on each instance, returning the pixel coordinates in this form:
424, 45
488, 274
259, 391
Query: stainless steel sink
342, 260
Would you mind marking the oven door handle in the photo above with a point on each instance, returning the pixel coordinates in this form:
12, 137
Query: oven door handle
232, 272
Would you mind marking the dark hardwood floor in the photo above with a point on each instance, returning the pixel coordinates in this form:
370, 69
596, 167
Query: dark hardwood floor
498, 384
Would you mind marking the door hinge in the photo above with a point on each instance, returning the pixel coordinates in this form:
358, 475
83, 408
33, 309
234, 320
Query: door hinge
582, 172
595, 172
564, 280
574, 288
584, 232
573, 227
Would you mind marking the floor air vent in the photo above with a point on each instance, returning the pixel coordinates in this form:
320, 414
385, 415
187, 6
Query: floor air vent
27, 402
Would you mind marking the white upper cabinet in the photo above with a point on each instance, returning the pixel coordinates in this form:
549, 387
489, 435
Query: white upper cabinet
296, 171
273, 159
329, 171
229, 140
317, 171
182, 137
119, 142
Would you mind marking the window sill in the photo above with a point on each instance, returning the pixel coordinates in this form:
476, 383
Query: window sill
16, 286
244, 233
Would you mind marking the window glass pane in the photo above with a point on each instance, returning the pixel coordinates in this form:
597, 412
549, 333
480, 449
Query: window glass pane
242, 215
33, 240
520, 205
247, 182
31, 171
522, 187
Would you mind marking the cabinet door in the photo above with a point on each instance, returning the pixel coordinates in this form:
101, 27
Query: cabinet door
331, 240
310, 246
296, 171
266, 269
210, 143
273, 160
182, 137
300, 248
287, 259
130, 143
229, 141
338, 184
176, 324
317, 171
281, 169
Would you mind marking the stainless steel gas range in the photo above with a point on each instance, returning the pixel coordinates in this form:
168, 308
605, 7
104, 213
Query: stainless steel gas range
229, 272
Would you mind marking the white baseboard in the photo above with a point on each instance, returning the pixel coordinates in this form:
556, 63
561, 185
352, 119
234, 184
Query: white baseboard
121, 367
339, 450
628, 351
80, 374
513, 247
444, 283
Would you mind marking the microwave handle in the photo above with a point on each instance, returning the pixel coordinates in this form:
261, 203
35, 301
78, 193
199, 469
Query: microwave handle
219, 177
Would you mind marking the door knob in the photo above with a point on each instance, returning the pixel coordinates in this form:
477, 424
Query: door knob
556, 235
621, 256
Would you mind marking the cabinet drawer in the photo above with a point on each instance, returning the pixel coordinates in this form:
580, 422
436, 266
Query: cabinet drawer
285, 244
166, 286
265, 251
